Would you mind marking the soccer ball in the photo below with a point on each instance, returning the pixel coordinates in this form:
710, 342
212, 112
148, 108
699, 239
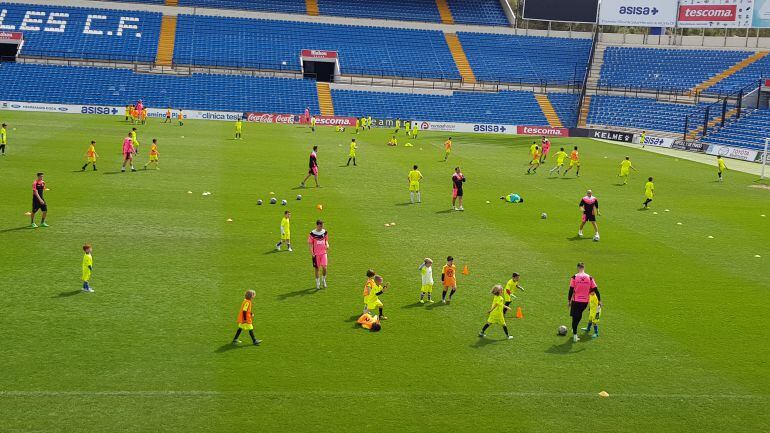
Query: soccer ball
259, 202
562, 330
273, 200
543, 216
283, 202
299, 196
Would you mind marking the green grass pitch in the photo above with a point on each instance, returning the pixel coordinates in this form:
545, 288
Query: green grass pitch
683, 341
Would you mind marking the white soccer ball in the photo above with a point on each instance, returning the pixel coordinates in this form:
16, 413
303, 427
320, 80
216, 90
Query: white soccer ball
562, 330
283, 202
259, 202
543, 216
273, 200
299, 196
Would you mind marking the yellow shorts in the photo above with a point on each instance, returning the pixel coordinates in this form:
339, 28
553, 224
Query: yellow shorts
414, 186
534, 161
448, 151
624, 172
573, 163
351, 155
496, 318
374, 305
86, 276
91, 159
154, 158
593, 316
427, 288
246, 326
286, 238
238, 130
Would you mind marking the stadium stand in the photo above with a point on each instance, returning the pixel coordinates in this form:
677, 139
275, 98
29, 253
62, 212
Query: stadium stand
282, 6
664, 69
640, 113
565, 105
480, 12
749, 131
82, 33
747, 76
413, 10
104, 86
504, 107
526, 59
267, 44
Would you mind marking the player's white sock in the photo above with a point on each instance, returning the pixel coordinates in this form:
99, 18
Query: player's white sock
580, 233
323, 280
419, 197
317, 283
411, 197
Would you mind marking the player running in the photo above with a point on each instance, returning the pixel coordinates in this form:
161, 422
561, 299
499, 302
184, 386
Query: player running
561, 155
352, 153
511, 287
319, 246
649, 192
447, 148
91, 156
38, 203
245, 319
496, 313
574, 161
721, 167
535, 162
580, 286
153, 154
313, 168
545, 147
625, 169
458, 179
414, 177
128, 153
590, 207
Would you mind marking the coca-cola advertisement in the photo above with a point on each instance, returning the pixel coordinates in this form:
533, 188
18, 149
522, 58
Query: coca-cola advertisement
271, 118
542, 130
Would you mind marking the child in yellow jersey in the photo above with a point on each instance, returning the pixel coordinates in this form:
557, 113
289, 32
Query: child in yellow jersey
426, 276
153, 154
535, 162
313, 122
447, 148
88, 267
625, 169
134, 141
168, 115
574, 161
238, 129
721, 167
496, 313
398, 126
561, 155
91, 156
415, 130
373, 288
144, 116
352, 153
180, 117
649, 192
285, 232
594, 313
245, 319
511, 287
129, 109
414, 177
449, 279
358, 125
393, 141
3, 138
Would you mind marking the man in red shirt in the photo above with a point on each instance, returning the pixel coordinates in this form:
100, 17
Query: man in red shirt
38, 204
580, 287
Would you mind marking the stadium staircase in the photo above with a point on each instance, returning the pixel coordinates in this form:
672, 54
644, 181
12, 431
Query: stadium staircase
312, 7
325, 99
550, 113
445, 12
165, 54
698, 132
461, 60
729, 72
172, 2
583, 117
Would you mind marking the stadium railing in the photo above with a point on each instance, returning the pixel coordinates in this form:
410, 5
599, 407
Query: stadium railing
700, 122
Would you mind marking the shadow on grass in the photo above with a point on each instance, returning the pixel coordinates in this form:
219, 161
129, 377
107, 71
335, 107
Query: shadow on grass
230, 347
564, 348
446, 211
408, 203
484, 342
415, 305
353, 319
68, 294
437, 304
294, 294
15, 229
576, 238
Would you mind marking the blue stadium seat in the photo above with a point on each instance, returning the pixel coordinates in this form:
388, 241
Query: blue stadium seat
504, 107
67, 32
480, 12
749, 131
748, 76
527, 59
283, 6
413, 10
270, 44
565, 105
643, 113
103, 86
665, 69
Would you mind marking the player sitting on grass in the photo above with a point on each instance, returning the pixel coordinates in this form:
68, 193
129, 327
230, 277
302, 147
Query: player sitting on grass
449, 279
496, 313
512, 198
88, 267
426, 275
393, 141
561, 155
372, 290
594, 312
91, 156
625, 169
285, 232
153, 154
245, 317
511, 287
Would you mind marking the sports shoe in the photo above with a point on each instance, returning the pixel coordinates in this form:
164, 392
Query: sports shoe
461, 209
133, 169
256, 342
482, 335
278, 248
575, 338
443, 301
89, 290
580, 233
290, 250
33, 226
44, 225
422, 301
324, 283
431, 301
236, 342
595, 336
510, 337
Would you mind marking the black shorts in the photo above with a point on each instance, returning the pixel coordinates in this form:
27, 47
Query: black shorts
577, 309
36, 206
315, 263
589, 217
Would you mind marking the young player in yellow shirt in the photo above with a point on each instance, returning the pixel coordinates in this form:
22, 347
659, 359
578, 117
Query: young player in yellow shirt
358, 124
721, 167
285, 232
574, 161
153, 154
510, 288
180, 117
594, 313
398, 126
393, 141
535, 162
238, 128
87, 268
426, 277
168, 115
625, 169
134, 141
373, 288
649, 192
352, 153
143, 114
561, 155
496, 313
415, 130
91, 156
414, 177
447, 148
3, 138
246, 318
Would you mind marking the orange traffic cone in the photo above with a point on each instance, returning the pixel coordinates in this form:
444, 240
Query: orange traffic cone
466, 271
519, 315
